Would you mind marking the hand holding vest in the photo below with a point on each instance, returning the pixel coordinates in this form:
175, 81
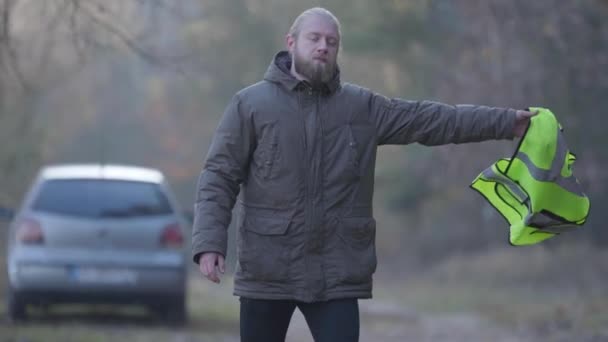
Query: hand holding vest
535, 190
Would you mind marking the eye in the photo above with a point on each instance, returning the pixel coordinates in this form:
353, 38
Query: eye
332, 42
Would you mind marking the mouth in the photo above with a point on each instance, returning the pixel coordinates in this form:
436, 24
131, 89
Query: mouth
320, 59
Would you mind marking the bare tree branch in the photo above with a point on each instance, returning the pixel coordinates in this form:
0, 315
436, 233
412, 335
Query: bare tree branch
129, 41
8, 49
166, 6
7, 7
122, 36
73, 25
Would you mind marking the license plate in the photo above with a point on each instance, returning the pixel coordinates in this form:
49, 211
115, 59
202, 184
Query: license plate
95, 275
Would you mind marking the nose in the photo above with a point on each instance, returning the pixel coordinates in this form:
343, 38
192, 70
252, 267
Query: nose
322, 47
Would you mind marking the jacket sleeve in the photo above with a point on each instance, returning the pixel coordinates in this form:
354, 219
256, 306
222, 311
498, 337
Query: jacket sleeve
432, 123
219, 183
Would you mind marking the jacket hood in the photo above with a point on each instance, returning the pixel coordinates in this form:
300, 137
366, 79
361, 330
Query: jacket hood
279, 72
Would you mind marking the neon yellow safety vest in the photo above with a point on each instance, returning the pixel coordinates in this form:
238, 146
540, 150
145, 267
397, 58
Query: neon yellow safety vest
535, 190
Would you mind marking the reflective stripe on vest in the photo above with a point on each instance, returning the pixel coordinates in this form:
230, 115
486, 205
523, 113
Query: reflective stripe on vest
535, 190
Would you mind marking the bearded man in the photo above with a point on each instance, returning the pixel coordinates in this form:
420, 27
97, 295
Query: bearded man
296, 153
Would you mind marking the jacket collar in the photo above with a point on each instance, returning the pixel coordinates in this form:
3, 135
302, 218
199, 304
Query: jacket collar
279, 72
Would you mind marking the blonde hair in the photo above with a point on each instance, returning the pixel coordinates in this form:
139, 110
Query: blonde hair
294, 31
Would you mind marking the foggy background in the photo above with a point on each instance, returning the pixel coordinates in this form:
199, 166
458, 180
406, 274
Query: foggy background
145, 83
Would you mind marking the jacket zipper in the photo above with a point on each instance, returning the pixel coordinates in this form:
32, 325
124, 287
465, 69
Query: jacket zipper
310, 191
301, 102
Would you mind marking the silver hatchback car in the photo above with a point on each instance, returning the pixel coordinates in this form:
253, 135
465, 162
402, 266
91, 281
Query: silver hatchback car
98, 234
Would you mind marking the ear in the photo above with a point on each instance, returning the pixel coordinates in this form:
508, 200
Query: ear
290, 42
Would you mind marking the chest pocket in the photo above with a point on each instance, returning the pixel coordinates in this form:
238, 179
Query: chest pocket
267, 154
354, 156
358, 136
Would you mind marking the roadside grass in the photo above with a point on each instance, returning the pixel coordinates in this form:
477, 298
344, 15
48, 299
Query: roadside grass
213, 304
540, 289
76, 332
213, 316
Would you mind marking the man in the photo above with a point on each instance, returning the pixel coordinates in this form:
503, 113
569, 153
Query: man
299, 148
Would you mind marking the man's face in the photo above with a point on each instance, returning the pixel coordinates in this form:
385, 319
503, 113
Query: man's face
315, 49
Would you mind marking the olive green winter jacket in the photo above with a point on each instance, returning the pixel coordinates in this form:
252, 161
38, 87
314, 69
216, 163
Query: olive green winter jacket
298, 163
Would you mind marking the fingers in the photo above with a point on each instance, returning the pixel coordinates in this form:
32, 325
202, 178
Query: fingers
207, 266
531, 114
204, 266
201, 267
221, 264
211, 274
524, 114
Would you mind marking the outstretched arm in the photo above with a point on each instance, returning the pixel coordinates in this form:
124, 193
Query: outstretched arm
433, 123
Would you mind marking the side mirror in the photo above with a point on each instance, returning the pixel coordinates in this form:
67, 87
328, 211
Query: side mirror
6, 214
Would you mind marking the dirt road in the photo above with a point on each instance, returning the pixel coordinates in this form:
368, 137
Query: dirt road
214, 317
380, 321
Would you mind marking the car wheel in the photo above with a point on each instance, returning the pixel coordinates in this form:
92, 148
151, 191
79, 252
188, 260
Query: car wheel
16, 309
176, 314
173, 312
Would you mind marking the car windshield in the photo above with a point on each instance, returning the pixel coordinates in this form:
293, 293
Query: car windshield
94, 198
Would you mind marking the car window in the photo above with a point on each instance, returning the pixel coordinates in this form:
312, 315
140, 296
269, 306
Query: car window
95, 198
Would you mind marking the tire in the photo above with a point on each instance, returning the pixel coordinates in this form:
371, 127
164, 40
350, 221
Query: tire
16, 307
173, 312
176, 314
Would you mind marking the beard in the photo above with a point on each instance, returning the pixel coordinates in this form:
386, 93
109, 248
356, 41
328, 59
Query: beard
316, 72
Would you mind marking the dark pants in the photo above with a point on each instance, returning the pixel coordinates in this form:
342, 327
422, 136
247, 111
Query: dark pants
268, 320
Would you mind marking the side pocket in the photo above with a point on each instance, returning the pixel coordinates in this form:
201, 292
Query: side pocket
358, 236
262, 251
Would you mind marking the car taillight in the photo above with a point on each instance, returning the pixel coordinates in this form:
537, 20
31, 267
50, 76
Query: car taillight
172, 237
29, 232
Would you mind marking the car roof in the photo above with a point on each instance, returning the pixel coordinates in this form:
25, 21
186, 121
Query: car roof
101, 171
